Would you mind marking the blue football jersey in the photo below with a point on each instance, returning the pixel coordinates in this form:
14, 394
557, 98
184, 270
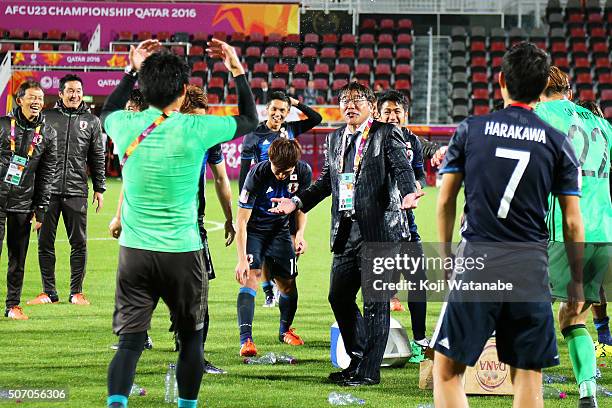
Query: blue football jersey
213, 156
511, 161
255, 145
261, 186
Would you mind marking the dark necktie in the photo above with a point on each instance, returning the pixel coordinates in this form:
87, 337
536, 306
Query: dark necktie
349, 154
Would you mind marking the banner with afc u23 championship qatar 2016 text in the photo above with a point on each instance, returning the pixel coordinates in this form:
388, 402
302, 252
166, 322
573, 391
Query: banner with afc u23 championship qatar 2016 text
247, 18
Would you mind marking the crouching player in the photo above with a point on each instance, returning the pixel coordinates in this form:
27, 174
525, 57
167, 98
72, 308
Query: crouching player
265, 237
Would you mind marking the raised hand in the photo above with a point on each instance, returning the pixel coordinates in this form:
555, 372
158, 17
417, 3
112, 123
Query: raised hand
140, 53
226, 53
411, 200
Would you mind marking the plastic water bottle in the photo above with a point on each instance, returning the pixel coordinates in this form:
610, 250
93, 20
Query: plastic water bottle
171, 385
335, 398
138, 390
549, 392
603, 391
427, 405
266, 359
554, 379
285, 359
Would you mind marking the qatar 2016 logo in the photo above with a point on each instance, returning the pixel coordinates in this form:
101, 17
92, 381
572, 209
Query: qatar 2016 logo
490, 372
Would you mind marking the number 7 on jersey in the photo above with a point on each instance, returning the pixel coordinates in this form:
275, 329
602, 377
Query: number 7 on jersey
517, 174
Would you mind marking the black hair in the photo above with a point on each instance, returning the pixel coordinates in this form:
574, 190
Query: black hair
69, 78
592, 106
162, 78
279, 96
393, 96
28, 84
525, 69
137, 98
356, 87
284, 153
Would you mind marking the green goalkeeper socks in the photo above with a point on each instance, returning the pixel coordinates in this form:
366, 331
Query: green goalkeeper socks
582, 356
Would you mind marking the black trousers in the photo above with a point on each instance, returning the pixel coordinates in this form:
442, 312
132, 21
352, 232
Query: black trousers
74, 213
17, 227
365, 336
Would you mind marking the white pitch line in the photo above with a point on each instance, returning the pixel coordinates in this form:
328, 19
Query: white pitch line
216, 226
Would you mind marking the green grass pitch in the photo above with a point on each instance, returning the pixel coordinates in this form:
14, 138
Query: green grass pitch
67, 346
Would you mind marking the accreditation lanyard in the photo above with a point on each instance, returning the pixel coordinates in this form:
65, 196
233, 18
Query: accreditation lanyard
359, 153
35, 139
143, 136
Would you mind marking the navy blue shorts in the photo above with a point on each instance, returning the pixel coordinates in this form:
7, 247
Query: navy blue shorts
275, 248
524, 332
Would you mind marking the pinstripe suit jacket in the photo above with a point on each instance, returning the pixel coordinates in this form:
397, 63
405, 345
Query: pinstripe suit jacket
377, 211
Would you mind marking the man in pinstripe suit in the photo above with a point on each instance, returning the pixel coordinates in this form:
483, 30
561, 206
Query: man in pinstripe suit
364, 158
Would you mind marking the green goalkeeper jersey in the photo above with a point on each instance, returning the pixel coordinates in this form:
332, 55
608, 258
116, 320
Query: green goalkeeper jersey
591, 137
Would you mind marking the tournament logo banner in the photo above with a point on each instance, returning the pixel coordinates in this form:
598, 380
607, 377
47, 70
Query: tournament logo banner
154, 16
34, 59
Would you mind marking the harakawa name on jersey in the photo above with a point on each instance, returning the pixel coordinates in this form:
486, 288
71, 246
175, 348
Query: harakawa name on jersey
515, 132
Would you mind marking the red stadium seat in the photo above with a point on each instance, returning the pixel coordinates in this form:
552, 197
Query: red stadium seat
35, 34
328, 56
293, 40
403, 56
606, 95
54, 35
347, 56
384, 83
558, 49
199, 69
480, 79
238, 39
364, 82
403, 41
496, 63
562, 63
256, 40
16, 34
196, 50
584, 81
27, 46
586, 95
367, 26
382, 72
45, 47
600, 49
338, 83
478, 48
125, 36
478, 64
312, 40
362, 71
329, 40
581, 65
602, 66
271, 55
403, 85
301, 71
178, 50
143, 35
260, 70
595, 20
403, 71
321, 71
598, 34
342, 71
281, 71
220, 35
216, 85
608, 112
6, 47
605, 81
309, 57
197, 81
365, 56
70, 47
481, 109
404, 24
384, 56
213, 99
290, 55
321, 84
385, 41
275, 39
577, 34
366, 41
72, 35
200, 38
579, 49
299, 84
480, 94
347, 40
387, 26
497, 95
497, 48
278, 84
231, 99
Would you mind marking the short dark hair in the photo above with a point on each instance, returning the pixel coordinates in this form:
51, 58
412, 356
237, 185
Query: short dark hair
393, 96
28, 84
525, 69
279, 96
137, 98
284, 153
592, 106
162, 78
69, 78
356, 87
